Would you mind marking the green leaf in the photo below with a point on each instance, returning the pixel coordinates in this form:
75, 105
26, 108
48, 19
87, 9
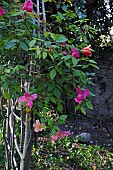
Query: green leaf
50, 123
53, 74
83, 77
74, 61
57, 92
60, 29
44, 111
60, 63
60, 122
54, 100
32, 43
77, 107
44, 54
43, 120
56, 127
58, 70
37, 51
85, 39
68, 63
60, 14
61, 39
59, 107
46, 100
39, 114
51, 55
92, 61
92, 94
6, 95
53, 36
53, 131
10, 45
23, 46
14, 41
83, 110
76, 73
95, 66
63, 117
7, 70
5, 85
89, 105
66, 57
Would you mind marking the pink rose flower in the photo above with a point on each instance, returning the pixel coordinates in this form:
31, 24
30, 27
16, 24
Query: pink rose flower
38, 126
28, 99
60, 134
81, 95
28, 6
2, 12
74, 52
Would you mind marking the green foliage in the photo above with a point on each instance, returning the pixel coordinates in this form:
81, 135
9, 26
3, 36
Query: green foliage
52, 75
67, 153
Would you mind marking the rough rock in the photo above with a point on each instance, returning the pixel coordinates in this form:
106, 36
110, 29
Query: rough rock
84, 137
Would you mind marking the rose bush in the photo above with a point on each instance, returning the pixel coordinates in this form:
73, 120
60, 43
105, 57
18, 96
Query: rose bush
47, 64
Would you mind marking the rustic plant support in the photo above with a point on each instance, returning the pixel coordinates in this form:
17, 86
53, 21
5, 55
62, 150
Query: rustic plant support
21, 147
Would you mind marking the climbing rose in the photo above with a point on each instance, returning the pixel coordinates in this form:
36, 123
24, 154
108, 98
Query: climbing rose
38, 126
28, 99
87, 51
64, 52
81, 95
60, 134
28, 6
63, 43
2, 12
74, 52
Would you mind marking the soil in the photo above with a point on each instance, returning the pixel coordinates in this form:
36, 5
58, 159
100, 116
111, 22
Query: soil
100, 128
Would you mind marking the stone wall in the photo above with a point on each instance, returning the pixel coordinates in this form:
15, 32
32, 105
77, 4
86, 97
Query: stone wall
103, 101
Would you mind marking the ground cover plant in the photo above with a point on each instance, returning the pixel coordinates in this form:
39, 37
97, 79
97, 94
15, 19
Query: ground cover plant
69, 154
45, 62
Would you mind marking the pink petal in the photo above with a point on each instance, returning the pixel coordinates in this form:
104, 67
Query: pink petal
54, 137
28, 6
79, 91
34, 124
37, 121
33, 97
86, 93
27, 95
78, 100
22, 99
3, 12
64, 52
60, 134
67, 133
29, 103
38, 129
75, 53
